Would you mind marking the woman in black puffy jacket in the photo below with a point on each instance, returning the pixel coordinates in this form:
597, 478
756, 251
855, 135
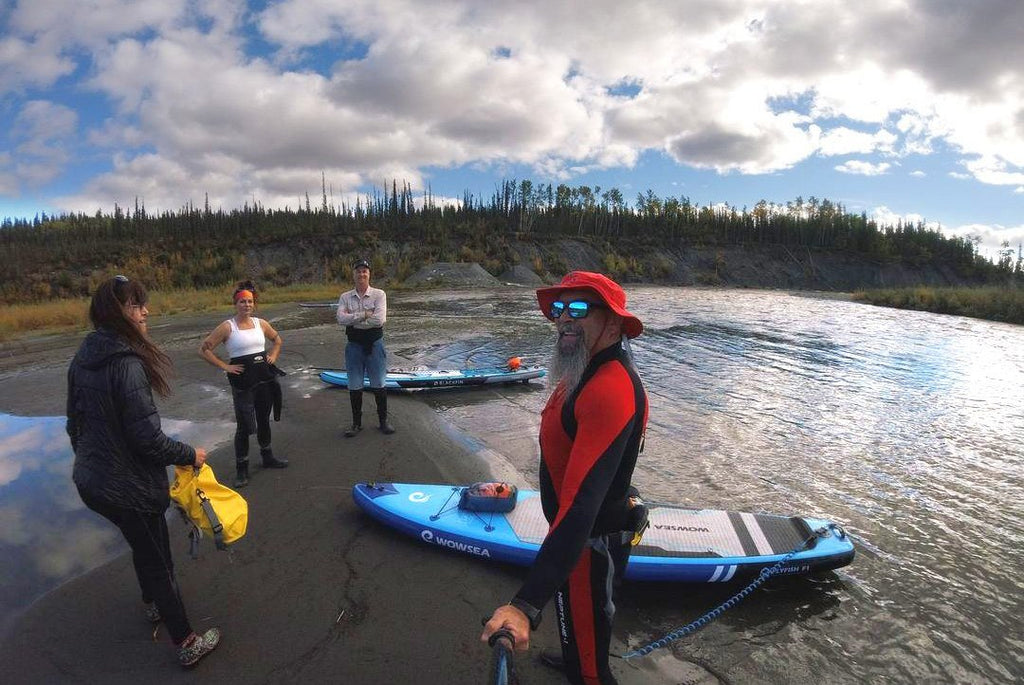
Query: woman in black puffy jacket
122, 454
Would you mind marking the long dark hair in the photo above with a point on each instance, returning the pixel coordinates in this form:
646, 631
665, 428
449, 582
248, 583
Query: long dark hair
107, 311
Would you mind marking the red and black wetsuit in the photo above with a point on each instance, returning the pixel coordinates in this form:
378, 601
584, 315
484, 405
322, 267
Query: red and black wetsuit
589, 441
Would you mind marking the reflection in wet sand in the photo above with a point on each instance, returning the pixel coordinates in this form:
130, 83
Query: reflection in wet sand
47, 535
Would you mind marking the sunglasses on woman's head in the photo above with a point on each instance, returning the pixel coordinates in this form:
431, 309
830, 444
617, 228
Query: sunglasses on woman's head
578, 309
119, 283
123, 280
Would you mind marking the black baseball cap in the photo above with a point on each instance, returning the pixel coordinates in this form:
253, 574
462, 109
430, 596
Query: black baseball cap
360, 262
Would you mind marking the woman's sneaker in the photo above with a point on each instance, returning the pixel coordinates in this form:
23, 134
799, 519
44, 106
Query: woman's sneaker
195, 647
152, 613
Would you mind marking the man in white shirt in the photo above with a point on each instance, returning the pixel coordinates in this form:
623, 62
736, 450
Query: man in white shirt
363, 311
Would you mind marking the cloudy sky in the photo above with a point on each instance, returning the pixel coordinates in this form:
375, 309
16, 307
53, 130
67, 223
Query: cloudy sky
898, 108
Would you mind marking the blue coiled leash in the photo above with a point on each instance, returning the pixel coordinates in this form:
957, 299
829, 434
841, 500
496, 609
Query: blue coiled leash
707, 618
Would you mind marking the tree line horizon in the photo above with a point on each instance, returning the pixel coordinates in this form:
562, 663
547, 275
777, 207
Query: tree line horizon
66, 255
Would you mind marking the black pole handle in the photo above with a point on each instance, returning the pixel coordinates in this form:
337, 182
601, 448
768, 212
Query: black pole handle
502, 633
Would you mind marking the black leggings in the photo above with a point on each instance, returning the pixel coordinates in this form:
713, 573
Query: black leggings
149, 540
252, 415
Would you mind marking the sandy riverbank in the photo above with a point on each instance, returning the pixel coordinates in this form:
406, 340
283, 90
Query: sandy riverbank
316, 592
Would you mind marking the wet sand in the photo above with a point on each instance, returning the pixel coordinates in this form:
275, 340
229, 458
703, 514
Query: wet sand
316, 591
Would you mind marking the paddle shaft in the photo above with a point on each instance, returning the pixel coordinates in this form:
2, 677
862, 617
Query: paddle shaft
503, 670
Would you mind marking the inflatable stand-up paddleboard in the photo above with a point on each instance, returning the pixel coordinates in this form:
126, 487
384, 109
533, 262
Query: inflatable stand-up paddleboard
681, 545
425, 378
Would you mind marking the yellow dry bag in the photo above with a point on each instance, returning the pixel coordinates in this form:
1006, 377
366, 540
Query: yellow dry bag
209, 506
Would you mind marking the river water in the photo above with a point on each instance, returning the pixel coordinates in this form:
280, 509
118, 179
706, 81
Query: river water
905, 427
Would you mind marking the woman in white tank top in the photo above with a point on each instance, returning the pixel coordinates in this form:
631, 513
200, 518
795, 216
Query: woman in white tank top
252, 373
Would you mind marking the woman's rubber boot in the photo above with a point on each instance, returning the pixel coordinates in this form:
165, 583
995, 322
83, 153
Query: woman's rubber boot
270, 461
381, 396
356, 398
195, 647
241, 473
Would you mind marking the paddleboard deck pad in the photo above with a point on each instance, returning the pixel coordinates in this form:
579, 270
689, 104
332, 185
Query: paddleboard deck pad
442, 379
681, 545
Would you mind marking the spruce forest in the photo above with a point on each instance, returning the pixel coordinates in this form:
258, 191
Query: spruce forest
53, 257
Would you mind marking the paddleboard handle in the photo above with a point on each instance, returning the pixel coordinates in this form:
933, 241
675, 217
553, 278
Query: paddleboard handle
835, 528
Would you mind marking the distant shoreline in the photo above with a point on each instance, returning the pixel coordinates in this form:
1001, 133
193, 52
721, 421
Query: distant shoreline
22, 323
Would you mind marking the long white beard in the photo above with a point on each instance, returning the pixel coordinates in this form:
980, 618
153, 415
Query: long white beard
568, 366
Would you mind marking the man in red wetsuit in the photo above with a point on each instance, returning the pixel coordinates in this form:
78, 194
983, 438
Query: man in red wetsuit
590, 434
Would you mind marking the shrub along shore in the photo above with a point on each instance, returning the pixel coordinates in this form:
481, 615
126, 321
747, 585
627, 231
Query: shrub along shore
992, 303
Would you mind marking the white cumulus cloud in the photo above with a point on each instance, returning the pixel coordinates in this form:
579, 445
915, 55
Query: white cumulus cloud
242, 99
862, 168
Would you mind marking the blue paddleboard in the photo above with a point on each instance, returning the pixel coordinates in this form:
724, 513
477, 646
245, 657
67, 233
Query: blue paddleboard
442, 379
681, 545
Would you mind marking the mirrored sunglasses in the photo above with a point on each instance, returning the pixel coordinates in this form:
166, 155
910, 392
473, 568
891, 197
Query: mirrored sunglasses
578, 309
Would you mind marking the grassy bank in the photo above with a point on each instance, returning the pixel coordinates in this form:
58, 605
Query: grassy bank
992, 303
72, 314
